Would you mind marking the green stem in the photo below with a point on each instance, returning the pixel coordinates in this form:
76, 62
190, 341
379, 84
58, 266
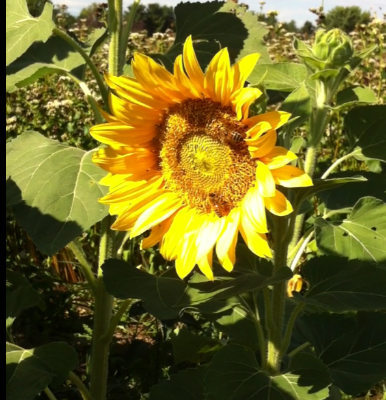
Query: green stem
88, 61
85, 266
278, 297
299, 349
115, 321
49, 394
115, 28
92, 102
80, 385
102, 317
260, 333
337, 162
268, 310
290, 327
300, 247
126, 32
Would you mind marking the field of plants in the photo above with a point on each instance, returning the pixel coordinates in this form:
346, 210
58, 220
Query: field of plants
202, 281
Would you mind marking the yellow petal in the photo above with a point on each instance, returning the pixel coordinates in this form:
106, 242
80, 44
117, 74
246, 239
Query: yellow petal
183, 82
217, 78
131, 90
187, 257
256, 242
242, 100
157, 233
253, 209
263, 145
192, 66
257, 130
140, 160
289, 176
205, 265
278, 205
265, 183
164, 207
295, 284
118, 134
278, 157
226, 243
131, 213
242, 69
275, 118
208, 235
170, 241
129, 191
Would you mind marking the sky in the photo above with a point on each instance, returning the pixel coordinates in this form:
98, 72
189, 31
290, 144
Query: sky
288, 10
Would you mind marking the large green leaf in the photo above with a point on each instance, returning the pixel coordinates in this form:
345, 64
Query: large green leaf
215, 25
20, 295
28, 372
339, 285
159, 294
354, 95
353, 348
366, 129
186, 385
234, 374
362, 235
22, 29
286, 77
53, 189
201, 290
342, 196
54, 56
299, 104
194, 348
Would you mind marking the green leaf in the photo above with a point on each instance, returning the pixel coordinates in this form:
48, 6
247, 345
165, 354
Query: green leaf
366, 128
362, 235
234, 374
28, 372
304, 52
214, 25
353, 348
325, 74
54, 56
339, 285
354, 95
53, 189
186, 385
22, 29
299, 104
343, 197
286, 77
201, 290
194, 348
159, 294
321, 185
20, 295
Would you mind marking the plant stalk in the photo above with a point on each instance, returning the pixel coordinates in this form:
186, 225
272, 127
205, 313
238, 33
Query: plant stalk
88, 61
290, 326
80, 386
115, 28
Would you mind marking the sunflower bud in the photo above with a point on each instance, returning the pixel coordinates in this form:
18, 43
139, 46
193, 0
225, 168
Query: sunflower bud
333, 47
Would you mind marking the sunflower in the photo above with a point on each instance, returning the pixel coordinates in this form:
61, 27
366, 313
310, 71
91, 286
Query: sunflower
186, 161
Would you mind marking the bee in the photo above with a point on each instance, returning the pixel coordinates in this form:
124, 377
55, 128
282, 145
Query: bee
214, 205
236, 137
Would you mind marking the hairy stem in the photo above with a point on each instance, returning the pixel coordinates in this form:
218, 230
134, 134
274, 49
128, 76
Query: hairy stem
80, 386
76, 247
88, 61
337, 162
299, 349
115, 28
290, 327
102, 317
115, 321
126, 32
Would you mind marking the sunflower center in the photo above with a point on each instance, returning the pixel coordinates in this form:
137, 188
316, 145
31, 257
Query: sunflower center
203, 156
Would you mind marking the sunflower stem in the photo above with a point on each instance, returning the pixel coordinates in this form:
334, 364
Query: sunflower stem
80, 385
87, 59
278, 297
85, 266
260, 333
126, 32
115, 28
115, 321
102, 316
